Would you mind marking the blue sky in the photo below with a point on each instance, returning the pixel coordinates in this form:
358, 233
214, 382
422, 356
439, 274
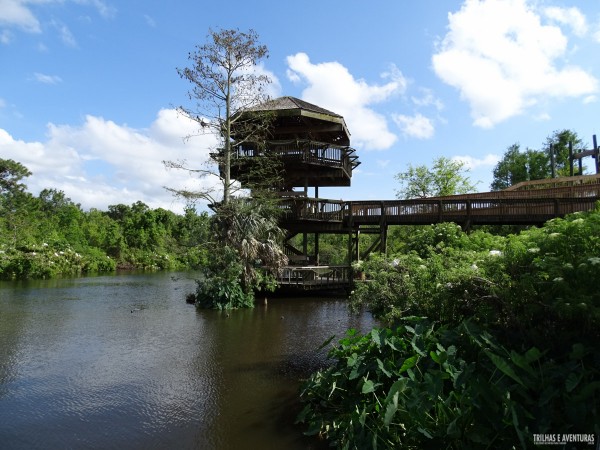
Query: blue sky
88, 88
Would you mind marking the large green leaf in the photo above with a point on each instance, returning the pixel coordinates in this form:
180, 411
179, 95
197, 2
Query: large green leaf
397, 388
368, 386
391, 409
504, 367
409, 363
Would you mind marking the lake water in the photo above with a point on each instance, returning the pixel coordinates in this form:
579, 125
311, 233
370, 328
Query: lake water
123, 362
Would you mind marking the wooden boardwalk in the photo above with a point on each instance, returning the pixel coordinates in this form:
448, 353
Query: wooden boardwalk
525, 206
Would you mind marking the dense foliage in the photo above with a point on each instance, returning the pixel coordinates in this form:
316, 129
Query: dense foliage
245, 255
48, 235
421, 386
507, 348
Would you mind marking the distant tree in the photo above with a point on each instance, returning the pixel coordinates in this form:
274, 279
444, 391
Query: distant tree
225, 84
11, 174
517, 166
446, 177
559, 142
511, 169
13, 200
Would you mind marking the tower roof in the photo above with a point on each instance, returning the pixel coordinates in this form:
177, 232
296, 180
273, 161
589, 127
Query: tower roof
298, 119
293, 103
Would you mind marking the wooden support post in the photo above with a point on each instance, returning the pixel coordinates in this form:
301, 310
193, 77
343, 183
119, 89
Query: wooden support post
383, 230
596, 155
305, 244
383, 247
317, 248
467, 225
350, 250
571, 158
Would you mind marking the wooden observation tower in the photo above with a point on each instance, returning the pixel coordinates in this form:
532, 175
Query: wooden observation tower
312, 145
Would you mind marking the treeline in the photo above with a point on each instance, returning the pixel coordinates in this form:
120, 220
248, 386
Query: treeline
50, 235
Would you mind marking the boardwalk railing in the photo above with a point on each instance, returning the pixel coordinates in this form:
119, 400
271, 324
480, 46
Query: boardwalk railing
502, 207
314, 277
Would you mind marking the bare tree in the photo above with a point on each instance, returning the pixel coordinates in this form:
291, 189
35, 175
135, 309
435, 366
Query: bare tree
225, 85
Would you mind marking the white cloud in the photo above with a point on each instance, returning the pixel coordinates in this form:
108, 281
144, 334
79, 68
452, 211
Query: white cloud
105, 10
331, 86
568, 16
417, 126
65, 34
273, 89
46, 79
16, 13
471, 163
427, 99
503, 60
5, 37
101, 163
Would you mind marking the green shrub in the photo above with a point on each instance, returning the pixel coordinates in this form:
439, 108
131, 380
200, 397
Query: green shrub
426, 387
220, 287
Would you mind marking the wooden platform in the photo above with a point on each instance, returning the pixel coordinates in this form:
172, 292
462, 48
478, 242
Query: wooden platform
314, 278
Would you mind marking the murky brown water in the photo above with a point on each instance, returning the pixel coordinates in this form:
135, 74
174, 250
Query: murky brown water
123, 362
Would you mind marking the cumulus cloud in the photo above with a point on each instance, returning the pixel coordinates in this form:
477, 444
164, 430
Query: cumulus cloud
331, 86
504, 60
568, 16
101, 163
417, 126
16, 13
471, 163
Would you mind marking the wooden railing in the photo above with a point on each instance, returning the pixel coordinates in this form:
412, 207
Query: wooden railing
482, 211
555, 183
314, 209
309, 152
503, 207
315, 277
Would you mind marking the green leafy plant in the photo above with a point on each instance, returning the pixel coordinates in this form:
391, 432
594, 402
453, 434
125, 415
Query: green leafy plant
430, 387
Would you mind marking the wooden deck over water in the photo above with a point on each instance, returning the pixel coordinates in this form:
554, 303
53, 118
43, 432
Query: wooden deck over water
314, 278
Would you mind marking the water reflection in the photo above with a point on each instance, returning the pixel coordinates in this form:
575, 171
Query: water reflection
123, 362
